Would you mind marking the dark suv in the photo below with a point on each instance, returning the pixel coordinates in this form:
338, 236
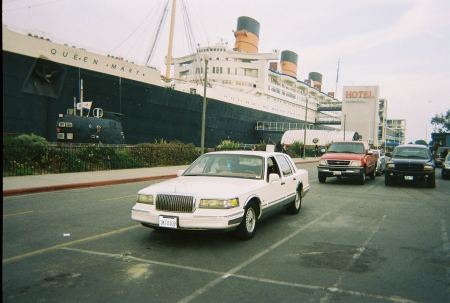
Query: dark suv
411, 162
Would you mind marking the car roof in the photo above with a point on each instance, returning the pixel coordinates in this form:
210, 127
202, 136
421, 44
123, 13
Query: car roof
246, 152
412, 145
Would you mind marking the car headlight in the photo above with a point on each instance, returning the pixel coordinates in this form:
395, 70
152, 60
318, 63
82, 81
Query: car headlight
428, 167
323, 162
447, 165
390, 166
355, 163
145, 199
217, 203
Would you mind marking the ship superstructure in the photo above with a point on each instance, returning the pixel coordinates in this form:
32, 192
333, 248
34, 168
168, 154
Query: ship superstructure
245, 89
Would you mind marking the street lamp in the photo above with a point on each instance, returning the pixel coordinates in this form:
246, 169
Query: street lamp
305, 126
345, 120
207, 57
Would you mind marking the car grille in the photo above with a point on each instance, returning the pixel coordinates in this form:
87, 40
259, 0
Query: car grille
175, 203
409, 167
338, 162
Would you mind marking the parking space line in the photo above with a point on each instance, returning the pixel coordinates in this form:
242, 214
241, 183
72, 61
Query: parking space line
117, 198
33, 253
251, 260
354, 258
231, 274
16, 214
129, 257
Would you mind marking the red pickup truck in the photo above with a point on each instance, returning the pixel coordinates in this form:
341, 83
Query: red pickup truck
352, 159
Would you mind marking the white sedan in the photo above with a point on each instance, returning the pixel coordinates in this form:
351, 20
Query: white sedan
224, 191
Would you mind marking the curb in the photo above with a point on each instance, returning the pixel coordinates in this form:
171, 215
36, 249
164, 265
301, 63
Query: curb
41, 189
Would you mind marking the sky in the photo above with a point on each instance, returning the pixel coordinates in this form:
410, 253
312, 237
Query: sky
403, 46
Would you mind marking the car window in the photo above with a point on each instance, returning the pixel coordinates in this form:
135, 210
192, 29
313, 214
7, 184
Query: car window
227, 165
411, 152
272, 167
347, 148
285, 167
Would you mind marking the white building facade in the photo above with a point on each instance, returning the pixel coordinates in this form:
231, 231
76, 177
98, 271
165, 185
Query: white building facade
360, 112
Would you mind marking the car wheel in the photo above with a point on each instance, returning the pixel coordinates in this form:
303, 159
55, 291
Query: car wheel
294, 207
431, 182
362, 178
322, 179
372, 175
246, 230
388, 180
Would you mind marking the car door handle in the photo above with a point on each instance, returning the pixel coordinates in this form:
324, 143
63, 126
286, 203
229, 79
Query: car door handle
295, 179
282, 183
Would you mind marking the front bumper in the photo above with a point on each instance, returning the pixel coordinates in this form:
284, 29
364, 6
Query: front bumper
228, 220
340, 171
409, 175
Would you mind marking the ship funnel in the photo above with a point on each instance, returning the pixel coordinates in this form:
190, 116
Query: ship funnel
316, 80
289, 63
247, 35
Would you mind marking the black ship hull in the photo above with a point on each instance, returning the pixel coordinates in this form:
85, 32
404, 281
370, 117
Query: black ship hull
32, 103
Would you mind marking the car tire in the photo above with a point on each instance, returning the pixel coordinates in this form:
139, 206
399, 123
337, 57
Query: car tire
372, 174
388, 180
431, 182
296, 205
247, 228
322, 179
362, 178
444, 176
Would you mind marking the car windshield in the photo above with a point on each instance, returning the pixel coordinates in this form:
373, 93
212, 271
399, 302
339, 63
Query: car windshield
411, 152
227, 165
346, 148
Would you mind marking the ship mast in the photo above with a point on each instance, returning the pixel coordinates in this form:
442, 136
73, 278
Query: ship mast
337, 79
169, 51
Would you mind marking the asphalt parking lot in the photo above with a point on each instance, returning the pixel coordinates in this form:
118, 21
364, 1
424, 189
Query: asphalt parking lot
350, 243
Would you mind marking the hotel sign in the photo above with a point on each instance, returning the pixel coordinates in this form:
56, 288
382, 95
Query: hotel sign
358, 95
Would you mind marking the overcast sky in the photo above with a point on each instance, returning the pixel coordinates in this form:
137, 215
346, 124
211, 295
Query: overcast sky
403, 46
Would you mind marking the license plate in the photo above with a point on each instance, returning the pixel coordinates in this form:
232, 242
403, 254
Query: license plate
409, 178
169, 222
337, 173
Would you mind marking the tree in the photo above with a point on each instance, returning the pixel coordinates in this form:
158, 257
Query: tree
442, 122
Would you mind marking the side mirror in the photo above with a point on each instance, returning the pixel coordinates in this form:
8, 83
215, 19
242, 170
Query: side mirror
180, 172
273, 178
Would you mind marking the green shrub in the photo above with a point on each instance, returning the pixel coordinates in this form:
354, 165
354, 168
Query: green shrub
229, 145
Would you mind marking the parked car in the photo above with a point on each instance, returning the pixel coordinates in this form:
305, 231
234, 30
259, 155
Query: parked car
445, 171
411, 162
224, 191
381, 164
439, 155
349, 159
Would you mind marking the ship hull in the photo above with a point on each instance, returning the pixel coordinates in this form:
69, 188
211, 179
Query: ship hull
151, 112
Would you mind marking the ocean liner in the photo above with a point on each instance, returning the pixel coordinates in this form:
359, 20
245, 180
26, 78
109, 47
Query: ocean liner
251, 96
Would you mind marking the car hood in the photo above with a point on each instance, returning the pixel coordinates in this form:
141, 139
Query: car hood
213, 187
409, 161
342, 156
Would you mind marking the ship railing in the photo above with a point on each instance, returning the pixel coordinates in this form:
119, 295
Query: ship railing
278, 126
329, 106
328, 120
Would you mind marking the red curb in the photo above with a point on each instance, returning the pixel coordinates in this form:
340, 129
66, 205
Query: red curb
33, 190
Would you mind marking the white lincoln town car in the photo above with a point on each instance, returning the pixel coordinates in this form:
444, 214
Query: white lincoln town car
224, 191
